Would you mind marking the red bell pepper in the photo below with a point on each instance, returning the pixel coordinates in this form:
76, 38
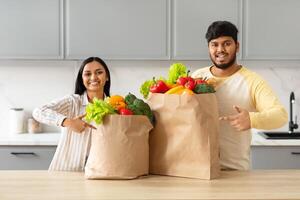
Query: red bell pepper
185, 79
181, 81
159, 87
125, 111
201, 81
190, 84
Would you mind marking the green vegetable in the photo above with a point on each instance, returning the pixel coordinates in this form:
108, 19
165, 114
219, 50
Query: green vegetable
135, 110
145, 88
139, 107
175, 71
144, 108
129, 98
203, 88
96, 110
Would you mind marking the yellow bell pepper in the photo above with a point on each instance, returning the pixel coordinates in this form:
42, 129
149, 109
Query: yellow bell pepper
176, 90
172, 85
188, 91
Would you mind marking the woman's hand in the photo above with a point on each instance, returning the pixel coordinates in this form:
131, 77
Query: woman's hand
240, 121
77, 124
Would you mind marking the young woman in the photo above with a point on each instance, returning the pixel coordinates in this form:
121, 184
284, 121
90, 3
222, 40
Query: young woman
93, 80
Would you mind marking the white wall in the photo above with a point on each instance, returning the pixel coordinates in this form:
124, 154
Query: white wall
29, 84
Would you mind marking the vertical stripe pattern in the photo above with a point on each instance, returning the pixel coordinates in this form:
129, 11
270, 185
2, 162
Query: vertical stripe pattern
73, 147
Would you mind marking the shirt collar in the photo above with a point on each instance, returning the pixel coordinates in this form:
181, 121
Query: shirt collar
84, 99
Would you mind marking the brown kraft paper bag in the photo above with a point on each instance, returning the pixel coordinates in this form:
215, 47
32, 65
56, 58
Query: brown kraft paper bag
185, 141
119, 148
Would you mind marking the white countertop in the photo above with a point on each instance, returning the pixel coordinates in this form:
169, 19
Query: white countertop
258, 140
30, 139
53, 138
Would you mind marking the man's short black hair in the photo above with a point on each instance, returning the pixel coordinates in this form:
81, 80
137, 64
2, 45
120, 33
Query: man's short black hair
221, 28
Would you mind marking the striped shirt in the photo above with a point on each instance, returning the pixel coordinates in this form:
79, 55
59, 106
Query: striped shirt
249, 91
73, 147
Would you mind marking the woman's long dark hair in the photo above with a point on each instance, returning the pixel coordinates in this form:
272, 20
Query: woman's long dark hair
79, 86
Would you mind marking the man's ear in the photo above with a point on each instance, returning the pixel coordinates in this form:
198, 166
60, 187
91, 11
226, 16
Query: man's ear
237, 46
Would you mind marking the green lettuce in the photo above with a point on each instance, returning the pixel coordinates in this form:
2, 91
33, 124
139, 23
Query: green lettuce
96, 110
175, 71
145, 87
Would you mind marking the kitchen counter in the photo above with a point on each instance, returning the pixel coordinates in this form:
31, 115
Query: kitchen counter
268, 184
258, 140
53, 138
30, 139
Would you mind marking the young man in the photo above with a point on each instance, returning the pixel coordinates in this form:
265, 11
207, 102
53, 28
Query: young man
245, 100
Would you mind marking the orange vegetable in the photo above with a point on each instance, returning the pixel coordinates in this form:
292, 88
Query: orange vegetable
116, 101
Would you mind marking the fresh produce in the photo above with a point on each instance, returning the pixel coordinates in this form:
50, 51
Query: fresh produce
181, 81
200, 80
129, 98
175, 90
139, 107
116, 101
176, 71
187, 81
203, 88
190, 84
116, 104
159, 87
145, 88
187, 91
125, 111
178, 82
179, 90
96, 110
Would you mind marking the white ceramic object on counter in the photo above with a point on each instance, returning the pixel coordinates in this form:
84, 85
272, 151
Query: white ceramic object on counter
16, 120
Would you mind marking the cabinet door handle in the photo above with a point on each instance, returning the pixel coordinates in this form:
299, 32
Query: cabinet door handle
295, 153
22, 153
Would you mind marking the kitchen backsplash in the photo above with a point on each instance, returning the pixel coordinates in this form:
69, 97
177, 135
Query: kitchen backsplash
29, 84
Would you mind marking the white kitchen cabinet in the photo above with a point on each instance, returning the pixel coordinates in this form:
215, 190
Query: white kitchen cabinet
117, 29
275, 157
26, 157
191, 19
30, 29
271, 29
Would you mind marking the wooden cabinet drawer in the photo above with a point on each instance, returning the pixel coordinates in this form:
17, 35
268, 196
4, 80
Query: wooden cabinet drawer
26, 157
275, 157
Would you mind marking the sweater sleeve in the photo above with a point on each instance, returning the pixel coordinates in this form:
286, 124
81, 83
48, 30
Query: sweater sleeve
270, 113
55, 112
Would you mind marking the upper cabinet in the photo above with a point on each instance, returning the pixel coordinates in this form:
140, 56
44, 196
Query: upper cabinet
191, 19
271, 29
144, 29
117, 29
30, 29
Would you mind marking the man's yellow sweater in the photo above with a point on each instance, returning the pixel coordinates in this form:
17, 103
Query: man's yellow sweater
247, 90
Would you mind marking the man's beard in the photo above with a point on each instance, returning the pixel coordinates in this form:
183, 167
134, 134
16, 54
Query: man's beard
225, 65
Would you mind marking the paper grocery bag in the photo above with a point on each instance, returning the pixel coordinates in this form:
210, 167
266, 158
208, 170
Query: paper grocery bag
184, 141
119, 148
